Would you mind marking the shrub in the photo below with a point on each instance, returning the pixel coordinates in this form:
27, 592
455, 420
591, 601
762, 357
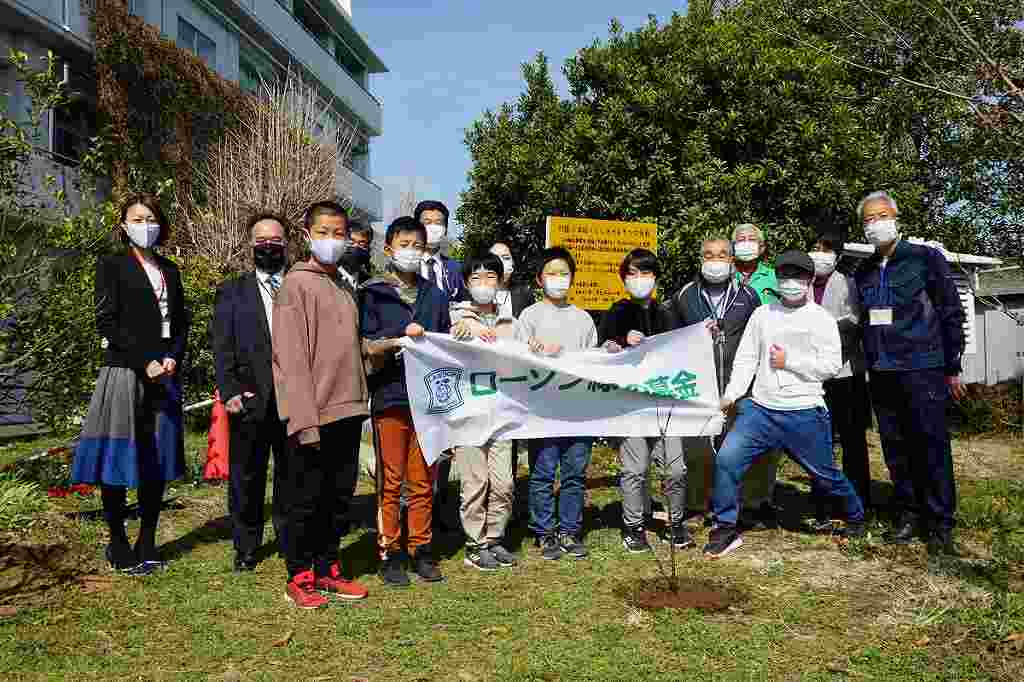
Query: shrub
19, 500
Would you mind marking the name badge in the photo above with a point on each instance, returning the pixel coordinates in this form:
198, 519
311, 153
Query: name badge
165, 329
880, 317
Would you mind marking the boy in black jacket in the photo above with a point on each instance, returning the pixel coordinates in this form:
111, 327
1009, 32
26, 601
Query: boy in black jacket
627, 323
396, 304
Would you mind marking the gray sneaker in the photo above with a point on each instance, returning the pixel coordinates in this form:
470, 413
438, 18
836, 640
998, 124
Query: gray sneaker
481, 559
573, 546
550, 549
503, 556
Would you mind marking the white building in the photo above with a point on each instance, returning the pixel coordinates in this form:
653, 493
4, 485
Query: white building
241, 40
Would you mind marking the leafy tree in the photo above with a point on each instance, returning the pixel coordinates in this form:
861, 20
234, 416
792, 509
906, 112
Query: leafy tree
759, 112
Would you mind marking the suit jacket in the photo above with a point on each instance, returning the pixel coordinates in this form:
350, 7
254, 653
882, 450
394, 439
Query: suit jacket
128, 314
242, 352
454, 287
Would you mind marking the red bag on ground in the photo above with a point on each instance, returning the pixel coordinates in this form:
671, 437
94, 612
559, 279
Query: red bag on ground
217, 442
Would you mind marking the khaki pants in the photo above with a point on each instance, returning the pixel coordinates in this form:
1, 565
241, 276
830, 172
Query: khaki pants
485, 475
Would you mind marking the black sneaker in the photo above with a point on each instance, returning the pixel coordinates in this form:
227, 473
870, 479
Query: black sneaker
573, 546
679, 535
721, 541
853, 530
549, 548
427, 569
635, 540
940, 543
765, 517
392, 572
904, 532
503, 556
481, 559
121, 558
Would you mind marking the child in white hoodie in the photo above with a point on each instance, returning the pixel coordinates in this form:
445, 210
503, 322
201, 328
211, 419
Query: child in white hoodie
788, 350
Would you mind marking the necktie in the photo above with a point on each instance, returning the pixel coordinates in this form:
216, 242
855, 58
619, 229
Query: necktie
275, 283
432, 273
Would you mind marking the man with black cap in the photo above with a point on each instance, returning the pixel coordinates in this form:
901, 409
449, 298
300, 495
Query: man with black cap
846, 394
788, 349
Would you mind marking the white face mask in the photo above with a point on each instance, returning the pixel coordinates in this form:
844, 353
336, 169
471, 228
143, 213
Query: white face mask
328, 251
793, 290
407, 259
482, 294
640, 287
557, 286
716, 271
882, 232
747, 250
824, 263
435, 233
143, 235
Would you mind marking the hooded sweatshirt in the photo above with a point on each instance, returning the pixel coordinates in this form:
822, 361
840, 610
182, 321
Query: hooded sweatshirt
318, 366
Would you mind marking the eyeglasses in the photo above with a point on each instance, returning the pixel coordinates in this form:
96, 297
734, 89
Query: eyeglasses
269, 242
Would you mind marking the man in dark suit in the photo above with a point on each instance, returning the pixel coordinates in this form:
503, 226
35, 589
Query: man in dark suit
438, 268
242, 318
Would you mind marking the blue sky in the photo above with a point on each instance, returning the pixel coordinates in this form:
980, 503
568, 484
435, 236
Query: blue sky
450, 61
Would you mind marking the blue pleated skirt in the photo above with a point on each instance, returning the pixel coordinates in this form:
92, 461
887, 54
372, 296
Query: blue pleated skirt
133, 431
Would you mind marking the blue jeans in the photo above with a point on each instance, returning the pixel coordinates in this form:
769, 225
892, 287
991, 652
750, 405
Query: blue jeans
572, 457
805, 435
911, 411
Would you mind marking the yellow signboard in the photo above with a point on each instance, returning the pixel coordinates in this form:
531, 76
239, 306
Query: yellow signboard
599, 247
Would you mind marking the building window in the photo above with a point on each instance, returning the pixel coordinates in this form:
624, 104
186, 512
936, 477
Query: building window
197, 42
73, 125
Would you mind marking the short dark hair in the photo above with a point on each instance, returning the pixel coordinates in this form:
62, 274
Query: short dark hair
641, 259
430, 205
482, 261
153, 204
361, 228
322, 208
557, 253
834, 240
404, 224
267, 215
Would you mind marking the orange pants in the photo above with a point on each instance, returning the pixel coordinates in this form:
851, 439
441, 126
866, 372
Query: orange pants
400, 460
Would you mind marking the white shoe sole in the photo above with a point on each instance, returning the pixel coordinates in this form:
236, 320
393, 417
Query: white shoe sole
478, 567
734, 545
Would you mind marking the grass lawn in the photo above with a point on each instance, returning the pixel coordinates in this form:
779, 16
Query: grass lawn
794, 605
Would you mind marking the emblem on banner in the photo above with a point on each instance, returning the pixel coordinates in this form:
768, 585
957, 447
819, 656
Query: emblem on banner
443, 387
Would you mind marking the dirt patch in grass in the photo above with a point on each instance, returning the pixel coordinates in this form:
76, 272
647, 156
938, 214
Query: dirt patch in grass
689, 593
32, 575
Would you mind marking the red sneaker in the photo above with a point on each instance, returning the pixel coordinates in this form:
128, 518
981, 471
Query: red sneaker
337, 586
301, 592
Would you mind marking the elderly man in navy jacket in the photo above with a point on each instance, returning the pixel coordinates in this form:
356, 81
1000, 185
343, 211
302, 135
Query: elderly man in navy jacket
913, 342
243, 360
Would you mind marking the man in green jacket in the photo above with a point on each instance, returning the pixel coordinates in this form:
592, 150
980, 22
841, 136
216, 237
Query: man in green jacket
751, 269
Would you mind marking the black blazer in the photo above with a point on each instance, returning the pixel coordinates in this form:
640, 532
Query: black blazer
128, 314
240, 339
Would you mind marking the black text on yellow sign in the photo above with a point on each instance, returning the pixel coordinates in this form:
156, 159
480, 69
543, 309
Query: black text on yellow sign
599, 247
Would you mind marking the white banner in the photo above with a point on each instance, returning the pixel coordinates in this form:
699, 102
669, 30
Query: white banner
467, 393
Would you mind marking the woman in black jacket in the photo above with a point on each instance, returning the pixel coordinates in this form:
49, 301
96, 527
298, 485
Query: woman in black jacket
132, 436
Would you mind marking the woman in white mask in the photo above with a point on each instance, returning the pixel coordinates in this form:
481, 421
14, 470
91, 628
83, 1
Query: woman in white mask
132, 436
512, 298
846, 394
